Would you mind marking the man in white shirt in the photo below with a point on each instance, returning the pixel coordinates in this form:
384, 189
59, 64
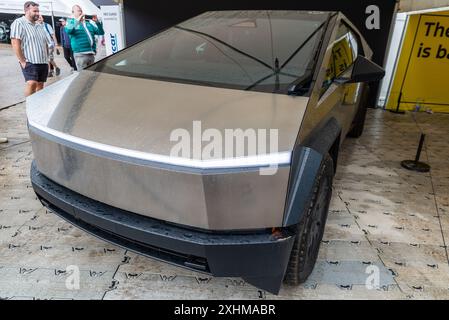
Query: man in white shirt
30, 44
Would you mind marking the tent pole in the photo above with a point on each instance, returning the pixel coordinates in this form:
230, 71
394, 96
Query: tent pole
52, 16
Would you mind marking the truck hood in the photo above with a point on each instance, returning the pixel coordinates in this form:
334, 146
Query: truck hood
134, 115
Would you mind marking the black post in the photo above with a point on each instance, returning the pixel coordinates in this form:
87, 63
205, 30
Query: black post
421, 142
415, 165
398, 105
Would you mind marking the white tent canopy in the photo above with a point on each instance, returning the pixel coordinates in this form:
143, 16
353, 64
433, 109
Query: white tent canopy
60, 8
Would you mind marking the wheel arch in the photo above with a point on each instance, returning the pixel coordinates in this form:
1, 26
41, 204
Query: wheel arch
306, 162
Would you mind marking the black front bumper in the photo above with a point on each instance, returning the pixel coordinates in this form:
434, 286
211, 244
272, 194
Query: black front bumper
259, 257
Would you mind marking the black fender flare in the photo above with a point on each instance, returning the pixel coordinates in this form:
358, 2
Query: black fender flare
306, 161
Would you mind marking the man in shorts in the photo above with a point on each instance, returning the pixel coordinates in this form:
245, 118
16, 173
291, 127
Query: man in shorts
30, 44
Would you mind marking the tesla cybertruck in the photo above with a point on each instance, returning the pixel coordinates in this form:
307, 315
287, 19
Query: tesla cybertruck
103, 141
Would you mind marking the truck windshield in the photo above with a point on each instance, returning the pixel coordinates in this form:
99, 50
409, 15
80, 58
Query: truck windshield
248, 50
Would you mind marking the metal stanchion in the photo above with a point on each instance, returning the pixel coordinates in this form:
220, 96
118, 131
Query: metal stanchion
398, 105
416, 165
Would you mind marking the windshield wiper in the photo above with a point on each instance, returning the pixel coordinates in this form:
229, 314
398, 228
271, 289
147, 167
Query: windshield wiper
303, 45
227, 45
297, 87
278, 70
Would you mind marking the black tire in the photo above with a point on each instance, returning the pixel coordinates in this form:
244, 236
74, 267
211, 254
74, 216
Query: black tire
310, 230
359, 119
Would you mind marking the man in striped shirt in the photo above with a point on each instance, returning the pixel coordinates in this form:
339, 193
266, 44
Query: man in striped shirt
30, 44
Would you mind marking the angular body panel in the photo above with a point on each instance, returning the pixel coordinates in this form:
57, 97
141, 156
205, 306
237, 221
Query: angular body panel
101, 142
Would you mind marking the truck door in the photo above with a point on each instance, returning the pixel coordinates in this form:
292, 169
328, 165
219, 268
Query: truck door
345, 50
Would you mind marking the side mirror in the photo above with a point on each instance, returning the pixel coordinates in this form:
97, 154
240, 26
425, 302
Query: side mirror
364, 70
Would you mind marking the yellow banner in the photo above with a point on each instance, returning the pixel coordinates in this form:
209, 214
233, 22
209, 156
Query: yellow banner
422, 74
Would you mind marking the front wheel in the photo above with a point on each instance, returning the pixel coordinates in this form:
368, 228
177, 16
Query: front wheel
310, 230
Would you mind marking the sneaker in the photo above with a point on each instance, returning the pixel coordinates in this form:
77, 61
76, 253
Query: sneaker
58, 71
3, 140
